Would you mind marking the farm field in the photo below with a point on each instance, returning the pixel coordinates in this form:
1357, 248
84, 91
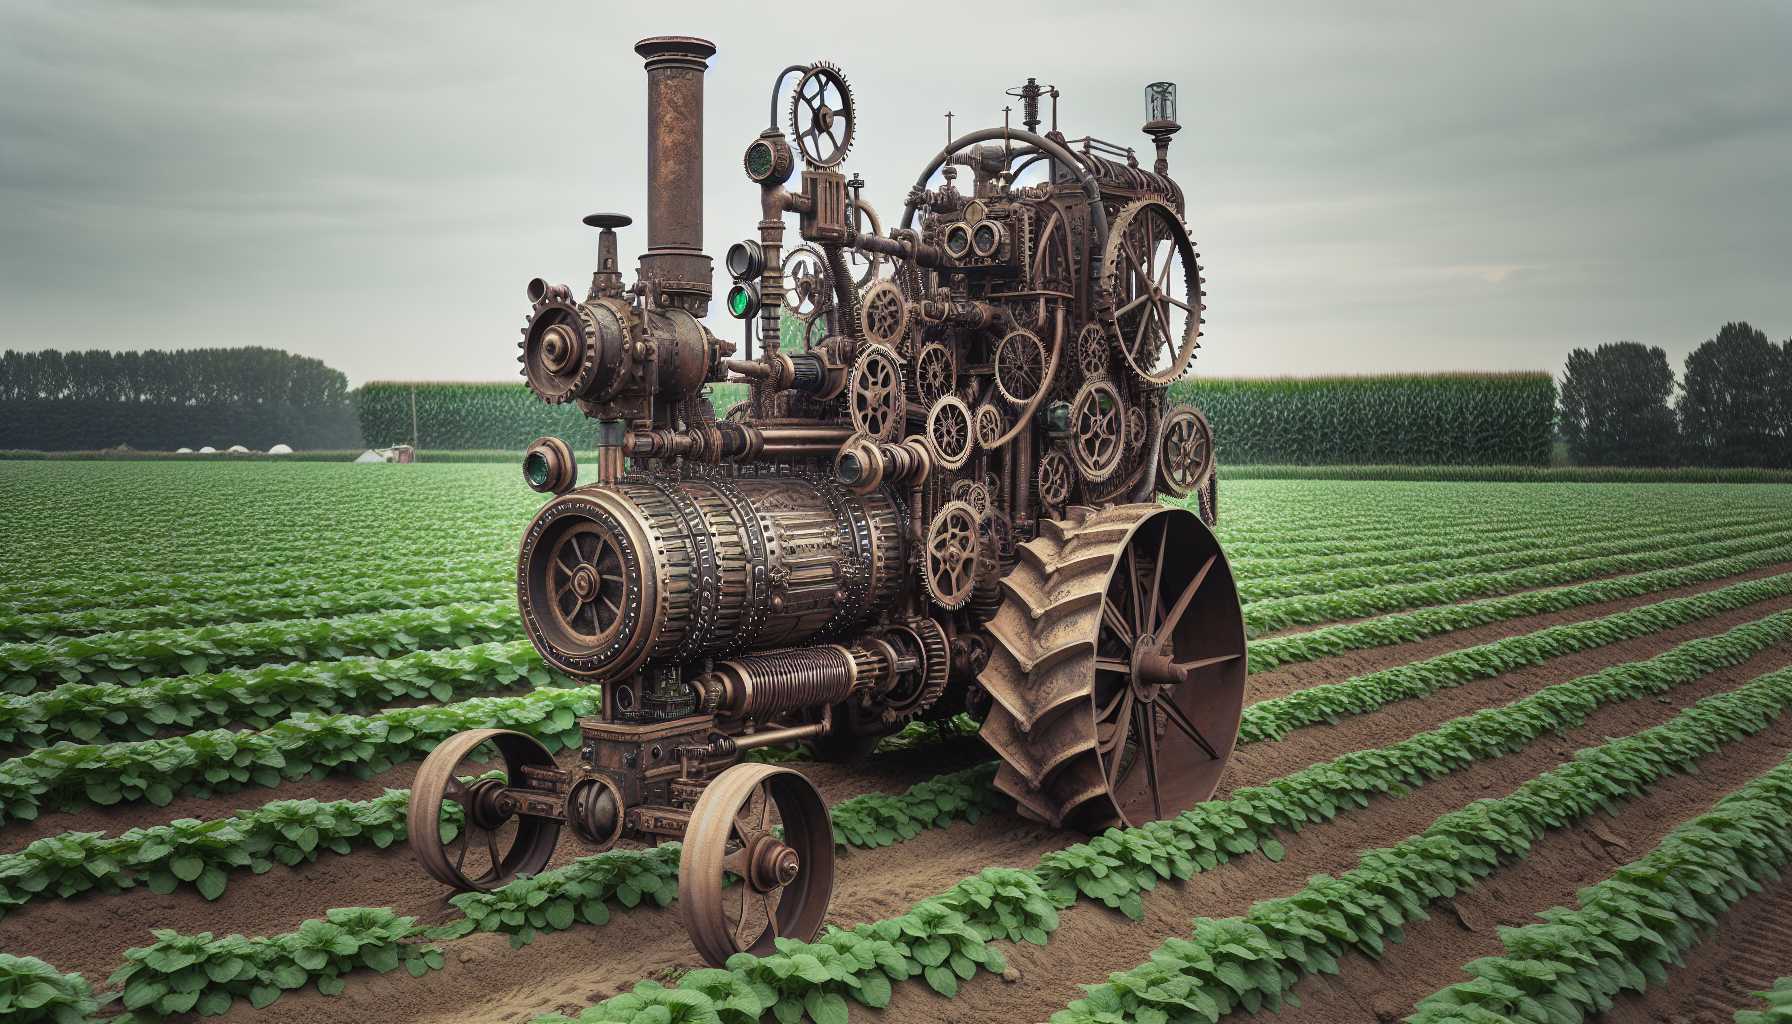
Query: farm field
1470, 704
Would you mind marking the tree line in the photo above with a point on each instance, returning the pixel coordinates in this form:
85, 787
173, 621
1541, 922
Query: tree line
1732, 406
66, 401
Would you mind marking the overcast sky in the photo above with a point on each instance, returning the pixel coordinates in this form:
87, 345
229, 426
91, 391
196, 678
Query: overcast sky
1373, 187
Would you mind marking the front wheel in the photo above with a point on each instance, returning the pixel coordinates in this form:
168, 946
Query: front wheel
757, 863
487, 842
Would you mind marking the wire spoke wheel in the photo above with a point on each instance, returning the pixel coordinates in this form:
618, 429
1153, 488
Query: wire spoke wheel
1020, 366
460, 825
757, 863
1132, 715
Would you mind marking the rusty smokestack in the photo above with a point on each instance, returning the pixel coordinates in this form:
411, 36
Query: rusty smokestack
674, 264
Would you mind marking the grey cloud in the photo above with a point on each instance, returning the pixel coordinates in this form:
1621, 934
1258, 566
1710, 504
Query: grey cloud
1375, 186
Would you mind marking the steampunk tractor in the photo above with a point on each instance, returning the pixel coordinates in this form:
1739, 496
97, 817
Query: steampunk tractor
939, 498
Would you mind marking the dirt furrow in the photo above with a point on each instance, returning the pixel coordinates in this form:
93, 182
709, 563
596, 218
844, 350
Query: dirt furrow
1093, 942
90, 934
1561, 863
1288, 678
496, 983
1750, 948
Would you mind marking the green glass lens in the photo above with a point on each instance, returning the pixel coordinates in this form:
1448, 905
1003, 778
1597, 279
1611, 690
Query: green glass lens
739, 302
535, 469
759, 160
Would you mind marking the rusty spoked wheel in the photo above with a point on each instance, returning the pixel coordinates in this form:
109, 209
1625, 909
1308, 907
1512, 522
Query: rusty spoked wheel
757, 863
1124, 709
1185, 458
491, 843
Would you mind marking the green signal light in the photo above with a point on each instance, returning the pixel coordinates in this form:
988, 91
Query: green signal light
742, 302
535, 469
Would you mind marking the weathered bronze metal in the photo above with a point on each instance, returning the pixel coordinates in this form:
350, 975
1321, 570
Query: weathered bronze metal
940, 501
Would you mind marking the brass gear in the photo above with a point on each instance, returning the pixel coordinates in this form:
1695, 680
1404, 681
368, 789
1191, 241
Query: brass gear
928, 682
1097, 430
808, 292
884, 314
875, 399
935, 373
1092, 350
950, 432
1020, 360
992, 424
1142, 321
1056, 475
1185, 455
973, 494
812, 95
949, 566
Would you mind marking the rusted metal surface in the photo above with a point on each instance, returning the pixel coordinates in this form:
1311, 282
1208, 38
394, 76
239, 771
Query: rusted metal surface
938, 500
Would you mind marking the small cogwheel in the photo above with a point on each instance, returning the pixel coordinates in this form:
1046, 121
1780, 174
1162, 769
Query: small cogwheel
1020, 365
992, 424
884, 313
1055, 477
1092, 350
1135, 427
950, 432
950, 570
935, 373
1097, 430
973, 494
875, 399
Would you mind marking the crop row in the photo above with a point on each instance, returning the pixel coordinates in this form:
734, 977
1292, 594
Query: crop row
158, 979
188, 614
1331, 702
1404, 627
204, 854
199, 764
1251, 962
953, 930
78, 591
1779, 1005
1254, 585
130, 656
258, 697
1627, 931
1281, 613
1419, 549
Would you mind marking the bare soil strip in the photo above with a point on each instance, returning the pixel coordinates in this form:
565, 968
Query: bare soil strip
1560, 864
487, 981
1750, 948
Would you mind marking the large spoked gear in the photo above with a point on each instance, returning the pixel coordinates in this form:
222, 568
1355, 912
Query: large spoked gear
1151, 275
1185, 456
821, 115
1097, 430
807, 289
863, 265
1118, 671
884, 314
875, 399
950, 566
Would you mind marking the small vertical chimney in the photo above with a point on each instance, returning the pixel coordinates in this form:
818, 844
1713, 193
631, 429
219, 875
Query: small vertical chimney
674, 265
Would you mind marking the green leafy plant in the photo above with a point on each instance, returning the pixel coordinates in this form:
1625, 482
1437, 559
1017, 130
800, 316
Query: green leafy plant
33, 992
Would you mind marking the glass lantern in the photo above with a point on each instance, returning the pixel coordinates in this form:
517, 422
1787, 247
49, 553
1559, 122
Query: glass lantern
1160, 101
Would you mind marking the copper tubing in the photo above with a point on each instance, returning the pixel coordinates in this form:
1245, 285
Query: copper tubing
777, 737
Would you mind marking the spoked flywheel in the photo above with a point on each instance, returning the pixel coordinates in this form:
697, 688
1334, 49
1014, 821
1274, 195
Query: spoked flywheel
1118, 672
757, 863
491, 842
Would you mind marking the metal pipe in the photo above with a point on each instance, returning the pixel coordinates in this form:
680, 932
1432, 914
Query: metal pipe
674, 264
775, 737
